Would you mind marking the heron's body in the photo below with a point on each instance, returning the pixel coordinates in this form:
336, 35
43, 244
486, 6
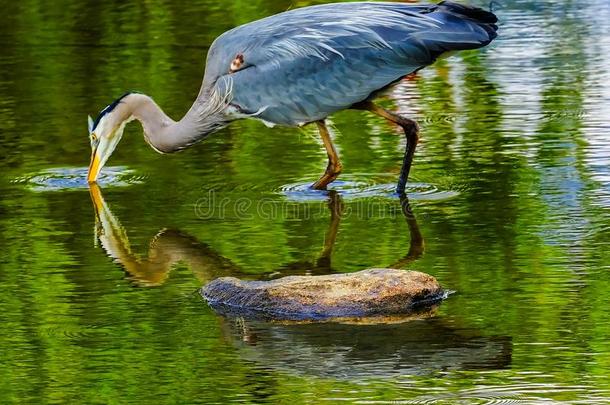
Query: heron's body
303, 65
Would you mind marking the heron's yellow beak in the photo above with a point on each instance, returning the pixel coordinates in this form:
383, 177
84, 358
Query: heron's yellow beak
94, 167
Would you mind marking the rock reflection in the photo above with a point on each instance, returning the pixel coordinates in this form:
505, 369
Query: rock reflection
347, 351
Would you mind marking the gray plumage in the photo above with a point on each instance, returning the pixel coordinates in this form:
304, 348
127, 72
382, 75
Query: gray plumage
305, 64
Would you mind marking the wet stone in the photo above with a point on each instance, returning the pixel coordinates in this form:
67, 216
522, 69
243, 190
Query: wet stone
366, 293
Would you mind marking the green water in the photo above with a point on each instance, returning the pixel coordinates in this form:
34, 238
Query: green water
510, 192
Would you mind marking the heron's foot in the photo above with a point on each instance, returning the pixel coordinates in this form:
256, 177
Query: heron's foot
332, 172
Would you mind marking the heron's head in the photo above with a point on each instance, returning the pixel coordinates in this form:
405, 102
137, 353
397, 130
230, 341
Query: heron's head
106, 132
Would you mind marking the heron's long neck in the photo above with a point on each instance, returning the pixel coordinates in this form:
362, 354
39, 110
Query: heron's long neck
166, 135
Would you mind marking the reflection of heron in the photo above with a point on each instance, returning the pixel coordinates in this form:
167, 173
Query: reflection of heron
166, 249
323, 264
170, 247
299, 67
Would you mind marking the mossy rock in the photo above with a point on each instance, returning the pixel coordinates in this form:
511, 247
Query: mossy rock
366, 293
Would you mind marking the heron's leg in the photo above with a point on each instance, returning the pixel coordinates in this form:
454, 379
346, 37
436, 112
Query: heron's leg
411, 132
334, 165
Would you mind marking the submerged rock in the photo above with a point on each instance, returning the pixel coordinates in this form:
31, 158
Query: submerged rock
366, 293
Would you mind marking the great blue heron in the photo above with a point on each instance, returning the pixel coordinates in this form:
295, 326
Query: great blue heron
299, 67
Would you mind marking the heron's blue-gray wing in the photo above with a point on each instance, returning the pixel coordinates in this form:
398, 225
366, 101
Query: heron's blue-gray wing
302, 65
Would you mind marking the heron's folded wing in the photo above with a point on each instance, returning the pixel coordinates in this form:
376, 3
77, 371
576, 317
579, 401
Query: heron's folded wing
305, 64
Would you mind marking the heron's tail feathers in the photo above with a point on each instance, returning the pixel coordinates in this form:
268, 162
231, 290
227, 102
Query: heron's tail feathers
483, 18
461, 28
475, 13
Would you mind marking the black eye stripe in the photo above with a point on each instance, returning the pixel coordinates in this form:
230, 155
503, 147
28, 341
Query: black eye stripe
108, 109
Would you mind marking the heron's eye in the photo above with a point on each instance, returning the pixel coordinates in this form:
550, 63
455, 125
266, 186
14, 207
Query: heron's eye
93, 137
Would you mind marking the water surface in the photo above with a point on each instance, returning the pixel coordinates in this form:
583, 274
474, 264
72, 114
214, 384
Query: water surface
510, 193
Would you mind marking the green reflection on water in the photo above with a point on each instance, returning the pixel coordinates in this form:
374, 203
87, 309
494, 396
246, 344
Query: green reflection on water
517, 130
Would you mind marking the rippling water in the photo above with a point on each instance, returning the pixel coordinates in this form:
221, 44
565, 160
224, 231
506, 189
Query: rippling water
364, 188
63, 179
510, 199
